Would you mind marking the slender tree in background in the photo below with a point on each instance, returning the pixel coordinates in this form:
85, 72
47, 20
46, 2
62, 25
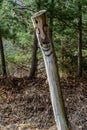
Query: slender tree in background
2, 58
80, 40
34, 59
51, 19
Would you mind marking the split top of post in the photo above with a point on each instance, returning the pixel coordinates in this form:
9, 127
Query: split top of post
38, 14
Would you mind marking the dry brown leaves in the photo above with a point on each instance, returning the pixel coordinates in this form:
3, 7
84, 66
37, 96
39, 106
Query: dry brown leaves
25, 101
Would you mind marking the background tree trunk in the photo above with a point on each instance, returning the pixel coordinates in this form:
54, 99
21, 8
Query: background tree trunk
34, 58
51, 20
2, 58
80, 41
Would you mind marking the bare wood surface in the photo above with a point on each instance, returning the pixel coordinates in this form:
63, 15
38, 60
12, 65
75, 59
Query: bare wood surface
42, 32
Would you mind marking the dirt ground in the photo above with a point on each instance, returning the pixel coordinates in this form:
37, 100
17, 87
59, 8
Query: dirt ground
25, 104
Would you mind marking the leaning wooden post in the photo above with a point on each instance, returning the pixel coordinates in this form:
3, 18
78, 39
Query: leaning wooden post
40, 24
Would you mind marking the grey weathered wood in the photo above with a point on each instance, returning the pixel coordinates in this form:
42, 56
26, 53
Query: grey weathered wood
42, 32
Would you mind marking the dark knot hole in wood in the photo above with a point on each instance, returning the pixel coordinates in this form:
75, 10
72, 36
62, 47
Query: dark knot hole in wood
36, 21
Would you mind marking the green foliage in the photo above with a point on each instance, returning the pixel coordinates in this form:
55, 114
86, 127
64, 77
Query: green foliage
16, 26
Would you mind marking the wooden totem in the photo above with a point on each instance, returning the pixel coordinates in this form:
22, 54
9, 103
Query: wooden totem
42, 32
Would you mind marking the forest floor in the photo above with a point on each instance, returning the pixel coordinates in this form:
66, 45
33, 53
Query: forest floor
25, 104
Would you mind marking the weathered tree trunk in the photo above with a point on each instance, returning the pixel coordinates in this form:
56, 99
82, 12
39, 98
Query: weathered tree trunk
42, 32
34, 58
2, 58
80, 41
